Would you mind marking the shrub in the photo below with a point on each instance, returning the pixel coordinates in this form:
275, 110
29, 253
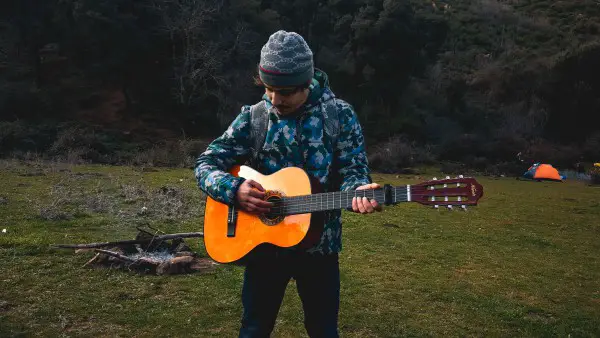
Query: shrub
397, 154
557, 155
591, 147
595, 175
461, 149
75, 144
22, 137
180, 153
452, 168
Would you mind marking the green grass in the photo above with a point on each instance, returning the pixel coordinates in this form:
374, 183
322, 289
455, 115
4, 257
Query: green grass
525, 262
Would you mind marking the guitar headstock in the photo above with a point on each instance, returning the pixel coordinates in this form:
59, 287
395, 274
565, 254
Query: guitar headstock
460, 192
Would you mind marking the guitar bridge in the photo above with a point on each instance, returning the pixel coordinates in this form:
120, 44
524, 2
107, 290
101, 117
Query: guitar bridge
231, 221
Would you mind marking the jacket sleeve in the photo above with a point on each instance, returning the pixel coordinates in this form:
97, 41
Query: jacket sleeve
231, 148
350, 151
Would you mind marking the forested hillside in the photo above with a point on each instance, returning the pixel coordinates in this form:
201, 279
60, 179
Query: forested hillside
469, 81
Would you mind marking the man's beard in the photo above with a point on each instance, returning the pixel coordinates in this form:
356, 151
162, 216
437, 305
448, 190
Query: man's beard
283, 109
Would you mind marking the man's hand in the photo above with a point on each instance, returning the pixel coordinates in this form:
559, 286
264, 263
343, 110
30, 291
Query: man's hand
250, 197
363, 204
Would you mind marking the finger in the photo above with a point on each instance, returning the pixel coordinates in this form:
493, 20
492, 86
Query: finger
249, 207
354, 204
367, 204
369, 186
256, 193
372, 186
255, 184
361, 206
260, 210
376, 205
258, 203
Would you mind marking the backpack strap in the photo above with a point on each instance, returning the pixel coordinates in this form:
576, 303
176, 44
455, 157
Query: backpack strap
332, 122
259, 120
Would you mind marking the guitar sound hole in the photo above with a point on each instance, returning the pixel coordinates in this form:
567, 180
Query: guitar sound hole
274, 216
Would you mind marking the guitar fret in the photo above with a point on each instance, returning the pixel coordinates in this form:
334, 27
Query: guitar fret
321, 204
336, 200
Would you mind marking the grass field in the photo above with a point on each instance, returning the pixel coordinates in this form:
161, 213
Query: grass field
525, 262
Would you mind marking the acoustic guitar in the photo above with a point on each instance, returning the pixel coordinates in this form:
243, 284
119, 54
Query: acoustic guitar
296, 218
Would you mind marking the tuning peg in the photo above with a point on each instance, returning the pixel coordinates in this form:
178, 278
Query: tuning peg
464, 207
450, 207
460, 176
436, 206
447, 177
434, 179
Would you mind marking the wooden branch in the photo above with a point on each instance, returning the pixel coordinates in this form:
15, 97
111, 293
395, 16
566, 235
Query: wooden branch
116, 255
130, 241
91, 260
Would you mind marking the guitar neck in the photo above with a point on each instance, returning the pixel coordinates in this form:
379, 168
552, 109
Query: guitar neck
339, 200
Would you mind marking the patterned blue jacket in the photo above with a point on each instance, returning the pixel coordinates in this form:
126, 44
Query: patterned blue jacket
340, 166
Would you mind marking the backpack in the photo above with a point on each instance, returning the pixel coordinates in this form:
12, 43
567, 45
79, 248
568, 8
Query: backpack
259, 121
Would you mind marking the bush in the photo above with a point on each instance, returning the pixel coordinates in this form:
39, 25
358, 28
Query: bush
181, 153
595, 175
461, 149
591, 147
397, 154
512, 169
558, 155
452, 168
20, 136
76, 144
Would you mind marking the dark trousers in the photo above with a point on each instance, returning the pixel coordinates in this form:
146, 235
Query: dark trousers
265, 280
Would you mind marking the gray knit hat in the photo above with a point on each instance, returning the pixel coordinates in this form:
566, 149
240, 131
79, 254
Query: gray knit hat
286, 60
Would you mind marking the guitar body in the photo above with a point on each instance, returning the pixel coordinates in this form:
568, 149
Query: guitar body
251, 229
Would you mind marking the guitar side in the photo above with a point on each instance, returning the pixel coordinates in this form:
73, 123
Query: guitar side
250, 229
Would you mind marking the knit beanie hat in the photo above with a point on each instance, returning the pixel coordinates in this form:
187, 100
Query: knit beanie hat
286, 60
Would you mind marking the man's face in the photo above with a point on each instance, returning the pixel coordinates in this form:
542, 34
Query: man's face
286, 99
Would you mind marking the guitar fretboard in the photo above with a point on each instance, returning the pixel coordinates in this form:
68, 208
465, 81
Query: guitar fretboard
336, 200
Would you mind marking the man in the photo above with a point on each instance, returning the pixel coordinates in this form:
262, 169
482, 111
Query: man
298, 100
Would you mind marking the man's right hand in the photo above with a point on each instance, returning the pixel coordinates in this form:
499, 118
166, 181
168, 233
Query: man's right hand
250, 197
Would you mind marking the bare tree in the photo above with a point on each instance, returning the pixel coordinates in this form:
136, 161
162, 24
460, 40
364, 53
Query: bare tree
196, 58
8, 42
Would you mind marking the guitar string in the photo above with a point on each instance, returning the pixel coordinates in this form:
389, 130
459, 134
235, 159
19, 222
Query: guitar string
302, 204
315, 202
317, 198
311, 199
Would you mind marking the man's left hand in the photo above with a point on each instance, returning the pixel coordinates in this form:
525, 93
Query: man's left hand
363, 204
